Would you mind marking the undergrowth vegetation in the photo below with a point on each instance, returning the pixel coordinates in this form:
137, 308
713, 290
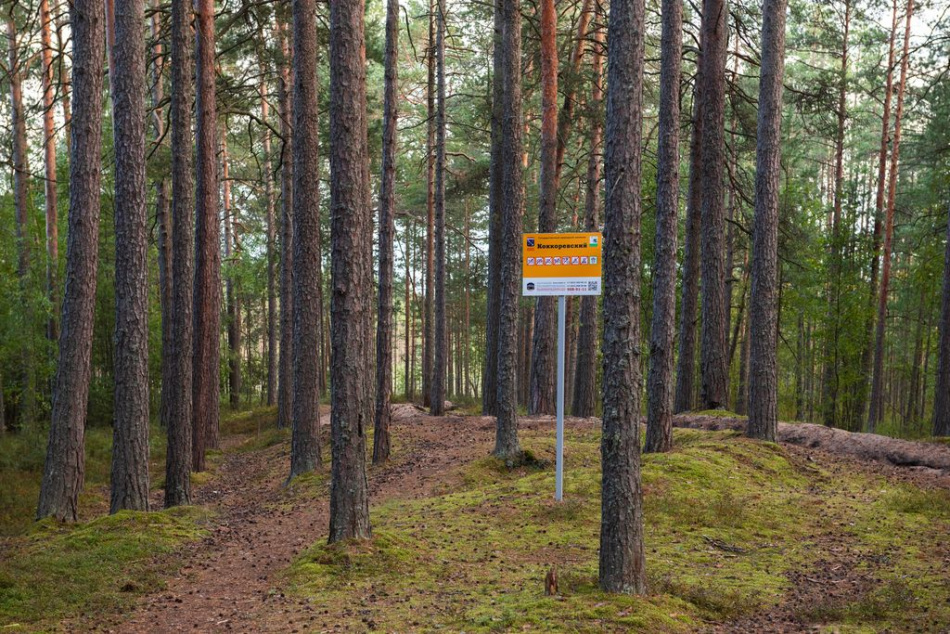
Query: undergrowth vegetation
726, 520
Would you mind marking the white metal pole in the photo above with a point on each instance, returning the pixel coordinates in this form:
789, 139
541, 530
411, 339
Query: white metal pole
561, 327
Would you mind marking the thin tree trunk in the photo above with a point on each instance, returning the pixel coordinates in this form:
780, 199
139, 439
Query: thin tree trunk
689, 304
660, 377
351, 222
585, 376
65, 460
490, 371
830, 386
441, 342
130, 429
49, 155
876, 410
207, 308
622, 561
179, 408
866, 353
305, 440
62, 19
428, 337
407, 305
764, 299
285, 376
713, 359
565, 119
387, 230
742, 387
231, 296
543, 361
512, 202
21, 203
271, 251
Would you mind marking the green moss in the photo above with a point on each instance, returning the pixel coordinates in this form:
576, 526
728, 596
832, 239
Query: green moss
58, 570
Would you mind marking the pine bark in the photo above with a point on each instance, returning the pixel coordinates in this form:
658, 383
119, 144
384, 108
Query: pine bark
350, 304
179, 409
65, 461
660, 376
130, 429
876, 410
231, 296
512, 202
543, 362
387, 230
207, 306
441, 342
305, 436
428, 323
285, 375
622, 566
713, 355
763, 302
493, 298
585, 375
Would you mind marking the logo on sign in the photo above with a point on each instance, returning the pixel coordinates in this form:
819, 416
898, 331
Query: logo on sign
530, 243
593, 241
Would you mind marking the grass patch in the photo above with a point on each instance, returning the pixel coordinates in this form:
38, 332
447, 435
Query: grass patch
60, 570
475, 559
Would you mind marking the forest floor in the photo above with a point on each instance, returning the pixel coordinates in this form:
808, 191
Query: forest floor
740, 537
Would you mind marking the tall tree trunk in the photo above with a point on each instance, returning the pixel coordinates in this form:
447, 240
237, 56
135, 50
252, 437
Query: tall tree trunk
876, 410
490, 370
49, 156
660, 377
271, 324
65, 460
130, 429
62, 75
21, 203
565, 119
689, 304
387, 230
441, 342
941, 415
585, 376
305, 443
179, 408
713, 356
622, 565
407, 304
163, 221
866, 353
231, 296
285, 377
351, 222
428, 323
207, 308
512, 202
543, 360
830, 382
763, 301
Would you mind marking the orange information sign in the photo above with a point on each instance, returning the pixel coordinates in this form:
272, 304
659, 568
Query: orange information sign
561, 264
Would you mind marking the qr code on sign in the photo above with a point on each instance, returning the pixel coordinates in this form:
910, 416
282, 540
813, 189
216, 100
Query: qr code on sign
592, 286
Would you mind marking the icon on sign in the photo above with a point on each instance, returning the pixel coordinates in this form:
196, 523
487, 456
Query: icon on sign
530, 261
566, 260
539, 261
584, 259
593, 241
593, 259
557, 261
530, 243
548, 261
575, 260
530, 286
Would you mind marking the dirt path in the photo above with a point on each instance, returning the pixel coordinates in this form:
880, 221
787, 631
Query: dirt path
230, 581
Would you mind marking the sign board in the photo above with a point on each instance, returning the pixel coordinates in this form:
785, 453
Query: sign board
561, 264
